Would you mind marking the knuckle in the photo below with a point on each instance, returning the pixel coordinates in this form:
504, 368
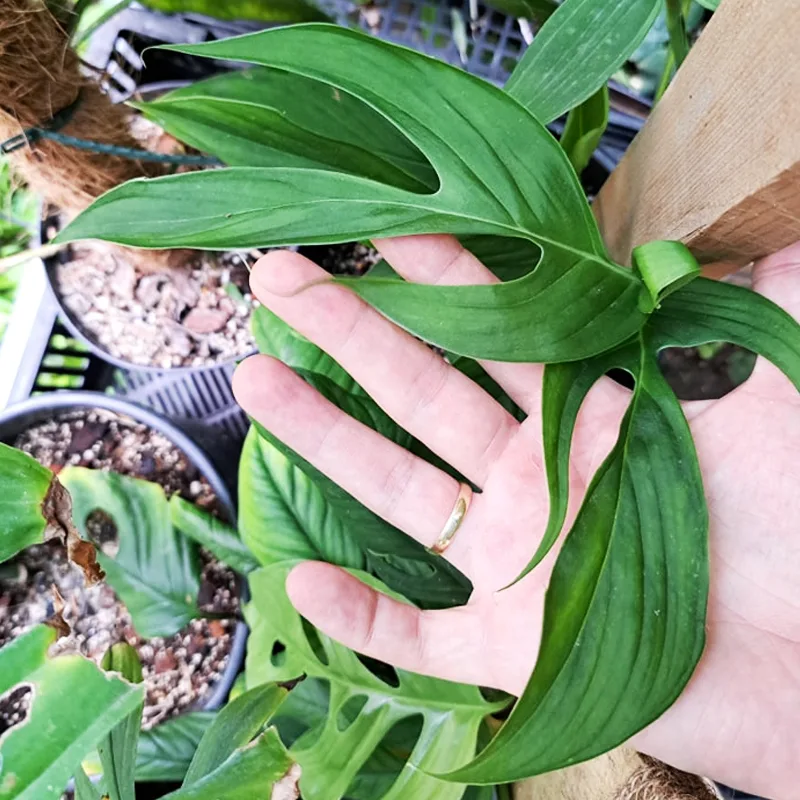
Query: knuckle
395, 483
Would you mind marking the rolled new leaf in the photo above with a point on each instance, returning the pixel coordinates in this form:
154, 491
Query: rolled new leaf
117, 749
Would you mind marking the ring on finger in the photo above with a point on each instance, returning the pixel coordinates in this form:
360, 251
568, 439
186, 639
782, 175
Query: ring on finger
460, 508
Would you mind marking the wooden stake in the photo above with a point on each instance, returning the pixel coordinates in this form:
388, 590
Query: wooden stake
717, 165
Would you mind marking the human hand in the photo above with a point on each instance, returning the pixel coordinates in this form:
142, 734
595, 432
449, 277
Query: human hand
737, 720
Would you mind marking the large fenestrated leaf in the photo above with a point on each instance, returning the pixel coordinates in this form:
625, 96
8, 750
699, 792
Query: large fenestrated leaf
624, 620
24, 485
165, 752
333, 751
270, 118
500, 173
662, 485
577, 50
73, 705
156, 571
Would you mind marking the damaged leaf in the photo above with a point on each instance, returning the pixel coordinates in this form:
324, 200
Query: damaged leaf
57, 621
35, 507
74, 705
156, 570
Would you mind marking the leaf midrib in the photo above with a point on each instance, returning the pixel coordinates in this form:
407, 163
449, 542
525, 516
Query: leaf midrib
514, 230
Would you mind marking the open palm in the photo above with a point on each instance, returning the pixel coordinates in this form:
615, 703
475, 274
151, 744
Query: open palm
737, 720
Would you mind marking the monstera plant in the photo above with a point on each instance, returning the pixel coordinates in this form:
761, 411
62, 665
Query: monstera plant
332, 136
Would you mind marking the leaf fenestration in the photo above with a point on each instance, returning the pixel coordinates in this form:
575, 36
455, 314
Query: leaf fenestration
331, 753
500, 173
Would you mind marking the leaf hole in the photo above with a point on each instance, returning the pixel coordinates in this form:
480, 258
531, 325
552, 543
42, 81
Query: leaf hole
387, 760
349, 711
277, 656
102, 530
706, 372
314, 642
384, 672
15, 707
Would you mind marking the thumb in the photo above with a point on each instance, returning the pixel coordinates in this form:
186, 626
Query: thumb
777, 277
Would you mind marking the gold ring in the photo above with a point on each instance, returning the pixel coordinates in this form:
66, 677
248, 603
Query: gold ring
454, 521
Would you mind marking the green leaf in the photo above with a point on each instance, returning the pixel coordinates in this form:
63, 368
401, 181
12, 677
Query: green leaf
624, 620
90, 22
277, 339
709, 311
664, 267
283, 515
117, 750
711, 5
249, 773
156, 571
306, 708
540, 10
389, 553
259, 10
309, 515
333, 752
74, 705
270, 118
234, 727
213, 534
596, 35
586, 124
85, 789
678, 37
25, 485
564, 389
165, 752
500, 172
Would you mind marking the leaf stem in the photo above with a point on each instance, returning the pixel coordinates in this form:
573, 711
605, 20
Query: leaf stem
678, 38
504, 791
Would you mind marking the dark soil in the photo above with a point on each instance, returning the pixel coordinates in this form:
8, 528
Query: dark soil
179, 670
706, 373
104, 440
196, 313
352, 258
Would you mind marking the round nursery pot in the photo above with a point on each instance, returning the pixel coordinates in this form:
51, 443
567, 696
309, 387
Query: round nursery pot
144, 321
164, 454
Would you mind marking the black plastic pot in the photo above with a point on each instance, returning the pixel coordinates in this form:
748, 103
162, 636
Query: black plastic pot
18, 418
